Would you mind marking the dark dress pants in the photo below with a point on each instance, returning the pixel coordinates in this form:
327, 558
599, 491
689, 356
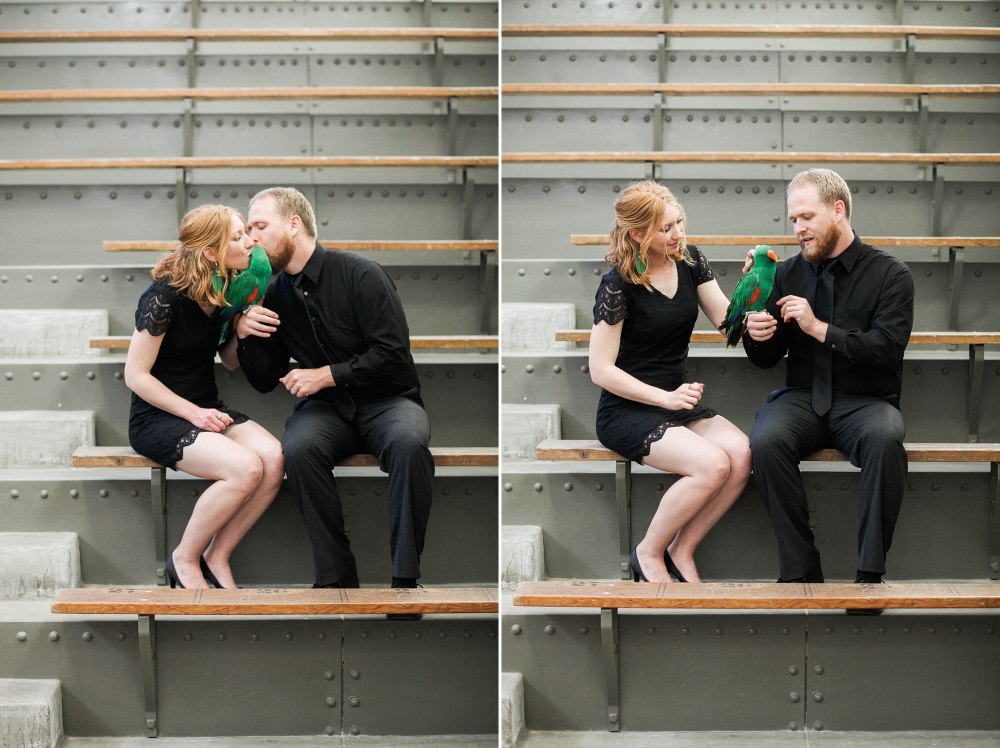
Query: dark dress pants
397, 431
869, 430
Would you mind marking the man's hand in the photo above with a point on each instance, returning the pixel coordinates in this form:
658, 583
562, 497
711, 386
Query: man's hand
797, 308
257, 321
306, 382
761, 326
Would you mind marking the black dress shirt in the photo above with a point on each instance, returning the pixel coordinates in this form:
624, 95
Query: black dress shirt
869, 330
342, 310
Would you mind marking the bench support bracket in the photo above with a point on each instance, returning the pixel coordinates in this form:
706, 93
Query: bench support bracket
438, 60
658, 121
609, 647
938, 199
922, 122
911, 56
180, 189
661, 55
487, 280
623, 498
158, 494
147, 663
654, 171
977, 363
956, 266
995, 520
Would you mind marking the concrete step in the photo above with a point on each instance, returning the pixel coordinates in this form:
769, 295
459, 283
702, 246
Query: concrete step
30, 713
44, 438
523, 427
522, 556
511, 709
30, 333
35, 564
532, 327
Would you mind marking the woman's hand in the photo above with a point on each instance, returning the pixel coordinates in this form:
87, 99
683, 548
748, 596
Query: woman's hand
210, 419
749, 263
684, 397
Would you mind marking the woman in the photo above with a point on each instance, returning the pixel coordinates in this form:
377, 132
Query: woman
645, 311
177, 418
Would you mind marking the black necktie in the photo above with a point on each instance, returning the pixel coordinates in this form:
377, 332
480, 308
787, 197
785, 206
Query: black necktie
822, 391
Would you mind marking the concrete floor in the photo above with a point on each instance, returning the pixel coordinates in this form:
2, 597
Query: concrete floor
337, 741
959, 739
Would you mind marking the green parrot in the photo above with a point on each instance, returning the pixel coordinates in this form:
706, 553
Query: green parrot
751, 294
246, 289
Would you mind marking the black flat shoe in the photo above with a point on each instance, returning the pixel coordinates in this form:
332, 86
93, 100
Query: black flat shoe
672, 567
172, 573
635, 568
408, 583
209, 576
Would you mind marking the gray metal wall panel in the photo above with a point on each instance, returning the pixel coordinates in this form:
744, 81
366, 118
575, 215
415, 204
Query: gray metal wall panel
438, 675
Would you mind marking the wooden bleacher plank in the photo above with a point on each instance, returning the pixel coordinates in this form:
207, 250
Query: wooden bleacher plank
465, 245
273, 602
751, 241
296, 93
122, 457
591, 450
253, 35
254, 162
917, 338
745, 157
756, 596
901, 90
755, 31
417, 342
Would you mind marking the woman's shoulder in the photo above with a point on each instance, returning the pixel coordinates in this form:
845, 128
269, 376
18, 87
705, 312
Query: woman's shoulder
613, 278
161, 289
157, 307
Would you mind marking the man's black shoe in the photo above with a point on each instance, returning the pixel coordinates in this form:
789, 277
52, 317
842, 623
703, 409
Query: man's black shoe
346, 584
406, 583
866, 577
813, 577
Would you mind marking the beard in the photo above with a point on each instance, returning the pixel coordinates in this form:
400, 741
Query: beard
824, 245
281, 254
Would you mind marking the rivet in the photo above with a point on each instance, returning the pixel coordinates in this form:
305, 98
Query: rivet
828, 630
793, 726
331, 702
53, 636
355, 730
817, 725
538, 487
87, 636
550, 629
22, 636
222, 637
329, 730
793, 670
104, 493
36, 375
121, 636
567, 486
417, 634
329, 675
118, 375
651, 631
44, 494
752, 631
188, 636
466, 634
355, 674
880, 630
508, 487
794, 697
957, 630
931, 630
990, 630
785, 630
354, 701
685, 631
857, 629
529, 368
718, 631
598, 487
9, 376
392, 634
74, 494
906, 629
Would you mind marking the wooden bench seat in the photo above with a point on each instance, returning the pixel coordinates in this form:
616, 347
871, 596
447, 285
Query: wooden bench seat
417, 342
126, 457
250, 162
752, 31
252, 35
458, 245
744, 157
752, 241
976, 341
593, 451
149, 603
289, 93
610, 597
899, 90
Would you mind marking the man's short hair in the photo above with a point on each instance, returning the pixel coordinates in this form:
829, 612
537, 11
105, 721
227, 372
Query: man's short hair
830, 185
289, 202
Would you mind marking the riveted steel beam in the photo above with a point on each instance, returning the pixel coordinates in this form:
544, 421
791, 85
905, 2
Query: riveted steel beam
938, 198
609, 647
158, 495
658, 101
453, 128
147, 663
192, 57
922, 123
956, 265
180, 191
661, 55
487, 275
438, 60
623, 498
977, 357
911, 56
994, 521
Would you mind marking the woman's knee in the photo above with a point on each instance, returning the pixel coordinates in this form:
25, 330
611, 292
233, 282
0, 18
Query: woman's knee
714, 468
273, 460
246, 471
740, 460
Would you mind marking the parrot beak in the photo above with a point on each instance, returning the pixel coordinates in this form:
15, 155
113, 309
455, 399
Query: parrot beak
772, 255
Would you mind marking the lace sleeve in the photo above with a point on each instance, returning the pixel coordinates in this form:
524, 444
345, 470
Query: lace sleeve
702, 270
610, 304
155, 312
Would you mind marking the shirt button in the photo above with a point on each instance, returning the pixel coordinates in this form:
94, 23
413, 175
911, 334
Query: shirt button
305, 293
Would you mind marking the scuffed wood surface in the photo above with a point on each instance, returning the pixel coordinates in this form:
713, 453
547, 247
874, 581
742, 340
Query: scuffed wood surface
756, 596
592, 450
250, 162
756, 31
113, 457
417, 342
349, 246
917, 338
274, 602
752, 241
901, 90
254, 35
745, 157
289, 93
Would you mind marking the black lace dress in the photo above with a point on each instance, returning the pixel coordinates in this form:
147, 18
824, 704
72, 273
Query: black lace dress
185, 365
654, 348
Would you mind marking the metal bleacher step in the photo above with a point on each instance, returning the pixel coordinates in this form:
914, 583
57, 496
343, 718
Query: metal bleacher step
43, 438
522, 554
35, 565
292, 741
30, 713
760, 739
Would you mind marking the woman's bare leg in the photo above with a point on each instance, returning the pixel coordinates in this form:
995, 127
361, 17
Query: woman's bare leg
259, 441
736, 445
237, 473
704, 469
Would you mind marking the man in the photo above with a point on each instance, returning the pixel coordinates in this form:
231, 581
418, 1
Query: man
843, 312
339, 316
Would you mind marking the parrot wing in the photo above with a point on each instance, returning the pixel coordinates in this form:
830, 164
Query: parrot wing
747, 292
244, 290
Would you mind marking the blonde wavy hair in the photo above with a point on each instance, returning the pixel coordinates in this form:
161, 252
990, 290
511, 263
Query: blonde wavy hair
641, 206
186, 268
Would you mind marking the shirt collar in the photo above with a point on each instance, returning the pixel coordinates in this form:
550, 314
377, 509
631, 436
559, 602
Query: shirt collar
849, 256
313, 266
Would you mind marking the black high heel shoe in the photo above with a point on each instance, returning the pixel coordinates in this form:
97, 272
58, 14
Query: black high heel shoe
671, 567
209, 576
172, 572
635, 568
